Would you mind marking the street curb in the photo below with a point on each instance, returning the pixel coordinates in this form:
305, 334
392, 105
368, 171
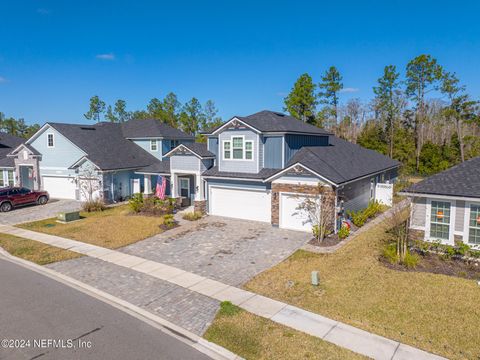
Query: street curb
213, 350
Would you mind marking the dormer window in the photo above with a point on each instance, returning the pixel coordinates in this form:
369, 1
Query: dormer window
237, 149
153, 145
50, 140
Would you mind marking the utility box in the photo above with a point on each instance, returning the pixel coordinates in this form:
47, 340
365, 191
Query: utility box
315, 280
66, 217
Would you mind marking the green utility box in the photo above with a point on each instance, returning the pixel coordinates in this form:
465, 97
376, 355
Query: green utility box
66, 217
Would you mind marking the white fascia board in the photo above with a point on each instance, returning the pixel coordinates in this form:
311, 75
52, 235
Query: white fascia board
231, 178
435, 196
237, 119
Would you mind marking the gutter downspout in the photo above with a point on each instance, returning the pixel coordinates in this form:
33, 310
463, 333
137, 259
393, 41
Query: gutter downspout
336, 212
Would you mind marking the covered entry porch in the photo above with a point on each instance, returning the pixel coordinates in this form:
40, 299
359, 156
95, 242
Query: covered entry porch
189, 188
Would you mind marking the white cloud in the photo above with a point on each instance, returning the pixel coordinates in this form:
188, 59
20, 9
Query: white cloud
2, 80
350, 90
43, 11
109, 56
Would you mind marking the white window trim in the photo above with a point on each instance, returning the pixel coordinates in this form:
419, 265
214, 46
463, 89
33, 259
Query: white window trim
243, 148
154, 141
53, 140
451, 228
466, 224
180, 186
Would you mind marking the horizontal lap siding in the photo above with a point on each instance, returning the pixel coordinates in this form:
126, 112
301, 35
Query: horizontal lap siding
459, 216
245, 166
184, 163
419, 212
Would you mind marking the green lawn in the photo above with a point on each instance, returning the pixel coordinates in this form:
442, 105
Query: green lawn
35, 251
253, 337
437, 313
113, 228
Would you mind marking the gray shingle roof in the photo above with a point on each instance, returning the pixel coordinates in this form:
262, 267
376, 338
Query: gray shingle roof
159, 167
151, 128
199, 149
106, 146
262, 175
342, 161
462, 180
8, 143
271, 121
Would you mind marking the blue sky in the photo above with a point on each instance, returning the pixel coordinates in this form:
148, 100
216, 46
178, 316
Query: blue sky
245, 55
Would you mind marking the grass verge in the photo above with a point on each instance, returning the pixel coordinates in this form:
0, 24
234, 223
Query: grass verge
434, 312
253, 337
35, 251
112, 228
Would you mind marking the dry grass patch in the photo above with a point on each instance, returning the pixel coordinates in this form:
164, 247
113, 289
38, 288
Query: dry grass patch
35, 251
437, 313
254, 337
112, 228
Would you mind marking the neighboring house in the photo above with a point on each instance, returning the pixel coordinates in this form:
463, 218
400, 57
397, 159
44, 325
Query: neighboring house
7, 165
446, 206
261, 167
117, 158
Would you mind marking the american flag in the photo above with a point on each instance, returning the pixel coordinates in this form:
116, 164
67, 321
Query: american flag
161, 186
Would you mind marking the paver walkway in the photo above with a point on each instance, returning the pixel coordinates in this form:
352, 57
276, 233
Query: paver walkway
343, 335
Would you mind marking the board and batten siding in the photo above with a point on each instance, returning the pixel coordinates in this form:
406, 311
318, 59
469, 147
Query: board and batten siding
272, 154
293, 143
56, 160
356, 195
241, 166
212, 145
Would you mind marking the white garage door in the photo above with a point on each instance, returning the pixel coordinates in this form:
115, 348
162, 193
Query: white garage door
241, 204
59, 187
291, 217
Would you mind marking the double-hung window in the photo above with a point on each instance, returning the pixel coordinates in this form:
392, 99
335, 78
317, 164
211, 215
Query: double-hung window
10, 178
2, 180
440, 220
227, 151
238, 149
153, 145
50, 140
474, 225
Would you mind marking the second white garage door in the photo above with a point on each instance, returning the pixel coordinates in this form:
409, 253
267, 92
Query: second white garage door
59, 187
241, 204
291, 217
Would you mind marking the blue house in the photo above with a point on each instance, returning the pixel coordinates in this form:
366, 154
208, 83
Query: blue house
259, 167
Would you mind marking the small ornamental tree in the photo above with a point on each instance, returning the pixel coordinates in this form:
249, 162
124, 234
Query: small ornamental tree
88, 183
319, 209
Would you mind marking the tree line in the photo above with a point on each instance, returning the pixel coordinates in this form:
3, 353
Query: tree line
424, 117
17, 127
191, 117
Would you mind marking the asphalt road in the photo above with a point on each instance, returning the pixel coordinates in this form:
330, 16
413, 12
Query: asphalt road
37, 308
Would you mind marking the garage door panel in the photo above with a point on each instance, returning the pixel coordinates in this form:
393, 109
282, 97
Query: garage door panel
291, 216
59, 187
241, 204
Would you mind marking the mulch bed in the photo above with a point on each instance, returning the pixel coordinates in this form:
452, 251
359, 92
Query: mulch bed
435, 264
328, 241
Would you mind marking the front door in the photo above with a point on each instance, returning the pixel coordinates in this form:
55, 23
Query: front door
185, 187
26, 176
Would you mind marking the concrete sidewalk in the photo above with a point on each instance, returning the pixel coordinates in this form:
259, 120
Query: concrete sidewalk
343, 335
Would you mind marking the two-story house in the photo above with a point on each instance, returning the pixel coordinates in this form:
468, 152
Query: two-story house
261, 167
116, 159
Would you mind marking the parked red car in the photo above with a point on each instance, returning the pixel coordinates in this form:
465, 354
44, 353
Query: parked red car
12, 197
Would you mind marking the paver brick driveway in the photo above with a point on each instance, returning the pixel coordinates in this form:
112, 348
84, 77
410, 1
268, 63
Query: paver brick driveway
38, 212
228, 250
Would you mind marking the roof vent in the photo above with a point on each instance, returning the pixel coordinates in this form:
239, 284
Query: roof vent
279, 114
87, 128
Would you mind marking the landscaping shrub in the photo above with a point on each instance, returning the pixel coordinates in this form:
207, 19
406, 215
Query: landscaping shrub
168, 221
136, 202
150, 205
343, 232
94, 205
360, 217
192, 216
411, 260
390, 253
